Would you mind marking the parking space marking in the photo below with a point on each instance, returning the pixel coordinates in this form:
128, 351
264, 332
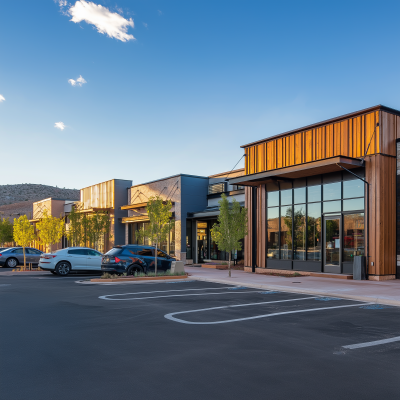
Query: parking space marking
172, 318
374, 343
177, 295
162, 291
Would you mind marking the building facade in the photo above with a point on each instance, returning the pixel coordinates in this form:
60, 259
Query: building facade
318, 196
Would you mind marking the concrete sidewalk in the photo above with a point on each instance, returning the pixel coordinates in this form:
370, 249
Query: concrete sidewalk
383, 292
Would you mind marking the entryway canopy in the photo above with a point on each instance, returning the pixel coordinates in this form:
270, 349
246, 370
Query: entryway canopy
298, 171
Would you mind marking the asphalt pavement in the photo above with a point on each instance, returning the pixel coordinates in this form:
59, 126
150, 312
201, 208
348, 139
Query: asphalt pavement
68, 338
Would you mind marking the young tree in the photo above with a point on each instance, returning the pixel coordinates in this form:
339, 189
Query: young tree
50, 230
74, 227
98, 225
160, 223
24, 233
6, 231
231, 227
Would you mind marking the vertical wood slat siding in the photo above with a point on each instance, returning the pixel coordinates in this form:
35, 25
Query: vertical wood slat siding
248, 238
381, 174
348, 138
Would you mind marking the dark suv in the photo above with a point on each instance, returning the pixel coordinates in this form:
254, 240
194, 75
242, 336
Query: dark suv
133, 258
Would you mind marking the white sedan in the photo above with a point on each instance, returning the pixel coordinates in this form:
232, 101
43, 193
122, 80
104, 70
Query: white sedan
76, 259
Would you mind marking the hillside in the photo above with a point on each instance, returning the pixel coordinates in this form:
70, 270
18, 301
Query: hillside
18, 199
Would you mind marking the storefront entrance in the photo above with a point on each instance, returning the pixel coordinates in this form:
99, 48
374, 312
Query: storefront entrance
332, 244
343, 239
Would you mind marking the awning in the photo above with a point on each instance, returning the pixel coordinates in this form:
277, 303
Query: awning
298, 171
127, 220
208, 212
92, 210
139, 205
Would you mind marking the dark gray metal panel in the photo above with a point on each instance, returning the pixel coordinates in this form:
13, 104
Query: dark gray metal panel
194, 192
359, 268
311, 266
120, 199
279, 264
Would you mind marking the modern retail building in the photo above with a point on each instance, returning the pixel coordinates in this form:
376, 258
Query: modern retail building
319, 195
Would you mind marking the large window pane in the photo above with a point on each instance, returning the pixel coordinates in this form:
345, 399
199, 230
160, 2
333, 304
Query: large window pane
353, 204
353, 236
353, 188
286, 197
273, 199
314, 231
273, 232
332, 206
299, 195
286, 233
299, 243
332, 191
314, 193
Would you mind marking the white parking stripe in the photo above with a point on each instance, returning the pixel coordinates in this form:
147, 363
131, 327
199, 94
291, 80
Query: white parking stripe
178, 295
374, 343
162, 291
172, 318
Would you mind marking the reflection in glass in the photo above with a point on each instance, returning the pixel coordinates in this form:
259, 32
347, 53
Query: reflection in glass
332, 191
314, 232
353, 188
273, 199
286, 197
286, 233
353, 225
332, 241
332, 206
273, 232
299, 195
353, 204
202, 242
299, 243
314, 193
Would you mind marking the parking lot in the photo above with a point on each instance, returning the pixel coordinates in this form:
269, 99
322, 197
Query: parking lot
64, 338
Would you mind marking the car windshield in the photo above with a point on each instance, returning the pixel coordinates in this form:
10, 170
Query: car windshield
114, 251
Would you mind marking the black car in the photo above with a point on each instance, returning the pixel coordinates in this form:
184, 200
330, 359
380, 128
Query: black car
135, 258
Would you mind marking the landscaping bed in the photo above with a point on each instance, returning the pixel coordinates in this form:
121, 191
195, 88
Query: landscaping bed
140, 277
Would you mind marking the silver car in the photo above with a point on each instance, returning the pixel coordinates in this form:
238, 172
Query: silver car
14, 256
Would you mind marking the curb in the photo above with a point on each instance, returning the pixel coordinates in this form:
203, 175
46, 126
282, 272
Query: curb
378, 300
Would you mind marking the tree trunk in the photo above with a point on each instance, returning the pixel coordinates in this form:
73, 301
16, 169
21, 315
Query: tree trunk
229, 263
155, 261
24, 257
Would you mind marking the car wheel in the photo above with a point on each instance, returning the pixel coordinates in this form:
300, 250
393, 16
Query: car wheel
11, 262
133, 269
63, 268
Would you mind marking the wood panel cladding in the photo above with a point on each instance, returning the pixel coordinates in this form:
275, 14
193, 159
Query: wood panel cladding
349, 138
380, 171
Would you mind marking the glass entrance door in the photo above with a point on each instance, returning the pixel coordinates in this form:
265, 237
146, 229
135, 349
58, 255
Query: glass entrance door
202, 242
332, 244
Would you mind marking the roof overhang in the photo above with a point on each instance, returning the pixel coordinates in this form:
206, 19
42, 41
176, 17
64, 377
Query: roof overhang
139, 205
92, 210
298, 171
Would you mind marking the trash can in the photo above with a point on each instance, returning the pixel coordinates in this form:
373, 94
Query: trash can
359, 268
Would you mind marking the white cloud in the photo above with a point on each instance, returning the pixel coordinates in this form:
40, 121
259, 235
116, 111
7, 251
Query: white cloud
62, 3
79, 82
2, 98
144, 24
59, 125
112, 24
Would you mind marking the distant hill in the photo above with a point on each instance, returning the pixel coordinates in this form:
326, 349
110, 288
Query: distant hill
18, 199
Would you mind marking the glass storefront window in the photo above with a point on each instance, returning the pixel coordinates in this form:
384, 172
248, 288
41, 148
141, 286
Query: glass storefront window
299, 241
332, 191
273, 232
353, 227
299, 195
273, 199
202, 242
353, 188
332, 206
314, 193
286, 197
286, 233
189, 255
314, 231
353, 204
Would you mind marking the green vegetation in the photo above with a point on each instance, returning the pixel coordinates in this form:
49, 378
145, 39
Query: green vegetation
50, 230
231, 227
6, 231
160, 224
24, 233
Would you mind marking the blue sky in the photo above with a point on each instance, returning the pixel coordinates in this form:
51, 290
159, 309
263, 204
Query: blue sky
198, 80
